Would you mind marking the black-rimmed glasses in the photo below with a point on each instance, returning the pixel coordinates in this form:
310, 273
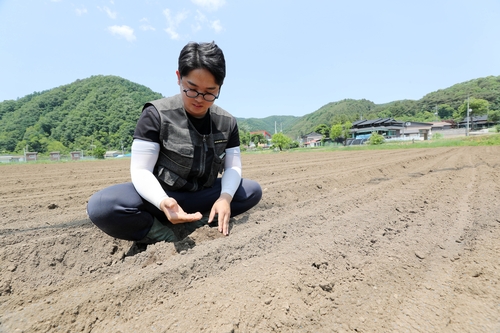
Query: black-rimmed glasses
206, 96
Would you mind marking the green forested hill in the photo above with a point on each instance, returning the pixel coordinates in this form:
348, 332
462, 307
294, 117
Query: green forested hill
329, 114
101, 111
269, 124
444, 102
487, 88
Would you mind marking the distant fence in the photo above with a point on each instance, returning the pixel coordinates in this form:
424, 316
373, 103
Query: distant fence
41, 158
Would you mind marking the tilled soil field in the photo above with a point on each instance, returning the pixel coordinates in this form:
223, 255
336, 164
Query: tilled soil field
347, 241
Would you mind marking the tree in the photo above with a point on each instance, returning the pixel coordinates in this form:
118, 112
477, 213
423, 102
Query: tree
7, 143
495, 105
7, 106
384, 114
323, 130
346, 131
244, 137
281, 141
494, 116
54, 145
21, 146
424, 116
336, 131
479, 107
445, 111
258, 138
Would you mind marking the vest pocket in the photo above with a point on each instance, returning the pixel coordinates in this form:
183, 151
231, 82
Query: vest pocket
219, 162
217, 168
172, 180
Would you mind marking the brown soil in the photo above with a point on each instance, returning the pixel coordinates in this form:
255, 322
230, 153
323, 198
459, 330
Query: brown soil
348, 241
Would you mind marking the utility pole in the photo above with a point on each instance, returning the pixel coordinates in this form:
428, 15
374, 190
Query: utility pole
467, 129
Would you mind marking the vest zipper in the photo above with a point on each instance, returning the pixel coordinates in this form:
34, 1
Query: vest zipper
203, 156
205, 143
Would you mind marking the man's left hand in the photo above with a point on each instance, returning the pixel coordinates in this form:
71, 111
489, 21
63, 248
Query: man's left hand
222, 207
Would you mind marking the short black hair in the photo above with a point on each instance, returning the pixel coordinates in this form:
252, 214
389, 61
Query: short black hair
203, 55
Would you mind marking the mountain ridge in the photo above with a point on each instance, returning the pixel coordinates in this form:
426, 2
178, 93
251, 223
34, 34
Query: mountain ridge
101, 111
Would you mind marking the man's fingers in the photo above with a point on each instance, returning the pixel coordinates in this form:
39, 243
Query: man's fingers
177, 218
191, 217
211, 216
226, 228
224, 225
196, 216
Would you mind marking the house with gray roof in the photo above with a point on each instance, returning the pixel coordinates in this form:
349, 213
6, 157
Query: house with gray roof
391, 129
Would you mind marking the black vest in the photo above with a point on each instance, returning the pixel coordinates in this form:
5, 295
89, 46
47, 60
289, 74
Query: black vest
189, 160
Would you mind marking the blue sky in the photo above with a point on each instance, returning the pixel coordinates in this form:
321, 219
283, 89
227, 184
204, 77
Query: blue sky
283, 57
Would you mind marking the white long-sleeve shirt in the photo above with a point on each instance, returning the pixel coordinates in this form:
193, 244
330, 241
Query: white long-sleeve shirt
144, 158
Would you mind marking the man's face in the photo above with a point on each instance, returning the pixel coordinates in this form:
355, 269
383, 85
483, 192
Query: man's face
197, 83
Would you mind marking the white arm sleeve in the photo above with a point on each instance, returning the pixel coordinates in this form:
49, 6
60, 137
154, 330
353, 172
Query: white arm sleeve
231, 177
143, 160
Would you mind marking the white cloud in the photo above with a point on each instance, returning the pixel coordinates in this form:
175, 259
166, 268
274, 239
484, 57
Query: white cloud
200, 17
216, 26
173, 22
81, 11
173, 34
201, 20
209, 4
123, 31
112, 15
147, 27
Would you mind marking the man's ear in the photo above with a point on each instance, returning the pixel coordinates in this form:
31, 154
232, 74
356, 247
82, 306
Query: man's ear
178, 77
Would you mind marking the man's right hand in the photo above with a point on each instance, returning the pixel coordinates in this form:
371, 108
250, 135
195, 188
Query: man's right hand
176, 214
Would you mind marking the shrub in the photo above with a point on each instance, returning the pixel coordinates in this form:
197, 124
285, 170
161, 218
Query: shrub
437, 136
375, 139
99, 152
